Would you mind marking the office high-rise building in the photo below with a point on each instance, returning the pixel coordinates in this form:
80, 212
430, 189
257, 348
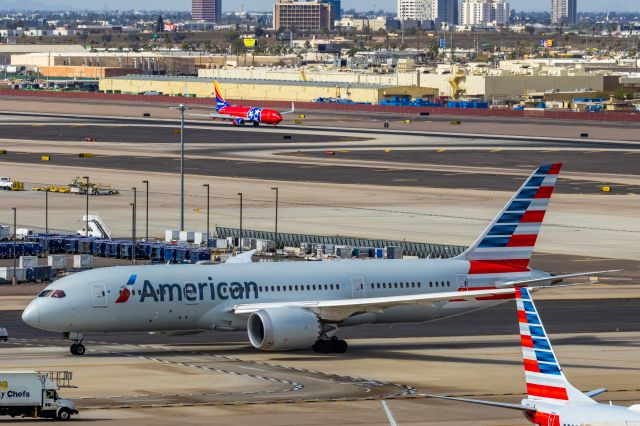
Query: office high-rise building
564, 11
415, 10
303, 15
484, 12
445, 11
206, 10
336, 7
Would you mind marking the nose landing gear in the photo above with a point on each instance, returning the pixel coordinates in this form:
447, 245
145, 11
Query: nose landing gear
76, 348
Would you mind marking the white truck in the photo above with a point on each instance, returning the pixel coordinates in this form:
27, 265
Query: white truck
30, 394
6, 183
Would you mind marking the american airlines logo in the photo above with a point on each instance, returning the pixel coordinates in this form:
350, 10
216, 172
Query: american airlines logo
190, 292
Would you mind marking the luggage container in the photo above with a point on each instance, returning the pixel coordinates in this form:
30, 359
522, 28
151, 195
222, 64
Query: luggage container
187, 236
125, 249
171, 235
57, 261
28, 261
7, 274
394, 252
82, 261
170, 254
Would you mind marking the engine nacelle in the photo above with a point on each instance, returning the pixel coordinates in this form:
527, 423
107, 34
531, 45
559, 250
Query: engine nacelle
239, 122
283, 329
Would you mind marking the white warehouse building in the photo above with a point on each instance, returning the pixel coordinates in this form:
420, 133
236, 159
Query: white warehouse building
484, 13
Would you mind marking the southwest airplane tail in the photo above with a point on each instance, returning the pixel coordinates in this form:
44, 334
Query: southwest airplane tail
220, 101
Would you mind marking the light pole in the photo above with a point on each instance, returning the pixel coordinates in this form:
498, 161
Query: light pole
146, 233
240, 239
182, 108
206, 185
133, 225
86, 225
46, 220
277, 191
14, 279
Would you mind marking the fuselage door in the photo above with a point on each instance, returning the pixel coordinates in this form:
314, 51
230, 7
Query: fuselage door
462, 281
99, 295
357, 285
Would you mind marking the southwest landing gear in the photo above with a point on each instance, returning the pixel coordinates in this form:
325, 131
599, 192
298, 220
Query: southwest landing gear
330, 346
76, 348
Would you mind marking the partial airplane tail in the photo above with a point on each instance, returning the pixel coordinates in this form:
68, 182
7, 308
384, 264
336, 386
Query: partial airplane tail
220, 102
544, 377
503, 250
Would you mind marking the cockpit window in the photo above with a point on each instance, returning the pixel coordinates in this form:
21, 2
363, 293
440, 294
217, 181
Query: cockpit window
58, 294
45, 293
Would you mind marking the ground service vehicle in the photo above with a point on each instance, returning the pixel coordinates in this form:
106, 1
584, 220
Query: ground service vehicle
4, 336
30, 394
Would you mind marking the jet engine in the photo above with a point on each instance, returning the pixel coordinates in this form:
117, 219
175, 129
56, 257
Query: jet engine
238, 122
283, 329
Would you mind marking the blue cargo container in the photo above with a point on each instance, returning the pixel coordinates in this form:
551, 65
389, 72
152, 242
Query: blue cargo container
170, 254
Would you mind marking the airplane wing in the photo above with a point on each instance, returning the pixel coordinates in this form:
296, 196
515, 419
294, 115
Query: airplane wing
293, 109
551, 279
214, 115
340, 309
490, 403
242, 257
392, 419
596, 392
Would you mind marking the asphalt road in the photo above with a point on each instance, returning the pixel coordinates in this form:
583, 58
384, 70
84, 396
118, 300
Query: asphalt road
305, 173
570, 316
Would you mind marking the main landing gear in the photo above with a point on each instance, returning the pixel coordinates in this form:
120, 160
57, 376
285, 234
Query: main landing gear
330, 346
77, 348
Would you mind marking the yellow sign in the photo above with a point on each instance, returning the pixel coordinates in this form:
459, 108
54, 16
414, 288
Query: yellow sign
4, 385
249, 42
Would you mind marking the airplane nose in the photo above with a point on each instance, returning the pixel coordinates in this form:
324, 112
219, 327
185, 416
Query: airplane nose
31, 314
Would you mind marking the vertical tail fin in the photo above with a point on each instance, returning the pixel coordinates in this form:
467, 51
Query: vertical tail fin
544, 377
504, 249
220, 102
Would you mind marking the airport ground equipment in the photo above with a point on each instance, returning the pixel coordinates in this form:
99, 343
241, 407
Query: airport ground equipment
8, 184
97, 227
79, 186
31, 394
4, 335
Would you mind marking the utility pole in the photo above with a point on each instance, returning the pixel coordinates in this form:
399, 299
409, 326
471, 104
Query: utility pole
240, 238
146, 233
46, 220
276, 232
133, 225
182, 108
14, 279
86, 225
206, 185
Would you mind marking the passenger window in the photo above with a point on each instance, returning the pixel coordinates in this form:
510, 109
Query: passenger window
448, 283
331, 286
313, 287
308, 287
395, 285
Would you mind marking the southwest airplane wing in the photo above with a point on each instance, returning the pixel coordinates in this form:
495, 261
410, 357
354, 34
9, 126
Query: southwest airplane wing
552, 278
340, 309
490, 403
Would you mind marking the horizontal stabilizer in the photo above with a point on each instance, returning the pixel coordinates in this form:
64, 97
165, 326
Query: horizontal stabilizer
551, 279
596, 392
490, 403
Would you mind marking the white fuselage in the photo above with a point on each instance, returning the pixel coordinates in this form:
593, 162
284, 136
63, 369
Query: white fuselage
188, 297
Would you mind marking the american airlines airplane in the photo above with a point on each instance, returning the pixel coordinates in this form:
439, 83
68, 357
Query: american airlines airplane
297, 305
551, 399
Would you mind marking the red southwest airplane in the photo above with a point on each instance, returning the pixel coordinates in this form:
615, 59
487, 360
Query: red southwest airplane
240, 115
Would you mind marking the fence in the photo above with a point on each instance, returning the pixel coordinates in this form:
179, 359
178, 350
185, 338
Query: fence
422, 250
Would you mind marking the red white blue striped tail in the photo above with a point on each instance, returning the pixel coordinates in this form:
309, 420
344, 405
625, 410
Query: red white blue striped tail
544, 377
504, 249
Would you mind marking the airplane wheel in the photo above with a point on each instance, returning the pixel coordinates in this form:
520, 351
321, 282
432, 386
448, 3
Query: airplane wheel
80, 349
256, 124
322, 347
340, 346
73, 349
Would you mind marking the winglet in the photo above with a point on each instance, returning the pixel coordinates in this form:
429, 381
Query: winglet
242, 258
